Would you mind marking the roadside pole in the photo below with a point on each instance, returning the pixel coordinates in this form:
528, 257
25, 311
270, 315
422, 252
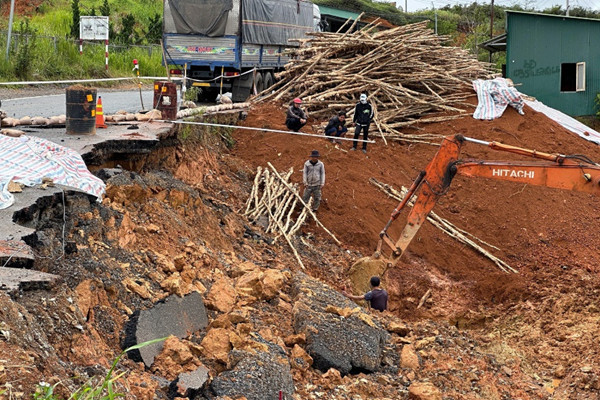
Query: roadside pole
10, 22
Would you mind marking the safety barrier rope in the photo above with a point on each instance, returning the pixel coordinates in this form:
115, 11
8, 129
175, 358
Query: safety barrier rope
123, 79
261, 130
86, 80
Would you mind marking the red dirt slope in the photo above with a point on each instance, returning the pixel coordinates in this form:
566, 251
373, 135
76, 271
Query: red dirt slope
549, 235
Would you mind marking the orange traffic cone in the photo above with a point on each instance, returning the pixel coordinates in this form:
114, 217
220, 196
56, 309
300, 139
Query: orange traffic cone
100, 114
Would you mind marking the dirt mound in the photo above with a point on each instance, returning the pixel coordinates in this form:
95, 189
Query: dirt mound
549, 235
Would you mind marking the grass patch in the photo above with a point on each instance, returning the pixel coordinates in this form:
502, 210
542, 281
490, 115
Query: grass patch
42, 49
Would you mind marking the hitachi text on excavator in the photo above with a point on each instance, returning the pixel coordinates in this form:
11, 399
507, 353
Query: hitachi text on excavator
570, 172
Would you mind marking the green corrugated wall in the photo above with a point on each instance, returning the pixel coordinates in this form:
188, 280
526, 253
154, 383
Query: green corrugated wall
536, 47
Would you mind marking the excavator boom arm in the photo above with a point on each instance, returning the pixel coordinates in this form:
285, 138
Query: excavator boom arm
554, 170
581, 178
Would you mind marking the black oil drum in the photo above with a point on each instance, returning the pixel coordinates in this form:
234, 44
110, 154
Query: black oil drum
165, 99
81, 110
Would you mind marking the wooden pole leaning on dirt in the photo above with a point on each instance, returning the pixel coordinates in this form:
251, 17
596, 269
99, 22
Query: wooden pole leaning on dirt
447, 227
312, 214
275, 204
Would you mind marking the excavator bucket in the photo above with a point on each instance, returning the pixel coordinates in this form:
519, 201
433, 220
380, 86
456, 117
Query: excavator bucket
363, 269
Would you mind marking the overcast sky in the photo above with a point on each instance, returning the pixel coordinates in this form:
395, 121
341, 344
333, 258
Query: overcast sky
414, 5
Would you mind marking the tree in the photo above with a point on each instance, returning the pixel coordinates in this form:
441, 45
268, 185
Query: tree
154, 29
105, 9
127, 34
76, 17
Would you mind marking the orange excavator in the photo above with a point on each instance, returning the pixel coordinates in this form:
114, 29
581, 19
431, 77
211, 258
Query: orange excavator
570, 172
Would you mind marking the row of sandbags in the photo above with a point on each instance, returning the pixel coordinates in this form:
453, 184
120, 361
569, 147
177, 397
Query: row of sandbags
120, 116
10, 122
123, 116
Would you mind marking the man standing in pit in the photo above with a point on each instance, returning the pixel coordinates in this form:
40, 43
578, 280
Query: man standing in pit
377, 297
313, 177
363, 115
336, 126
296, 117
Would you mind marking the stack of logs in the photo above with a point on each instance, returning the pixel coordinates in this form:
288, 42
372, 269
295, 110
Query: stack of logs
275, 203
408, 74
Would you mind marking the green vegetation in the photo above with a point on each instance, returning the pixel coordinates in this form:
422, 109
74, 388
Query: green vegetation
597, 101
45, 44
92, 390
48, 46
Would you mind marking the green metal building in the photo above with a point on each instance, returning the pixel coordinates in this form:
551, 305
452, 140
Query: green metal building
555, 59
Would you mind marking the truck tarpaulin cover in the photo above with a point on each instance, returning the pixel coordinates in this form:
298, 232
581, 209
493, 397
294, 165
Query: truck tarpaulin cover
204, 17
275, 21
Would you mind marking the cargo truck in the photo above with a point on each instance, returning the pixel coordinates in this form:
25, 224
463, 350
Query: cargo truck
233, 45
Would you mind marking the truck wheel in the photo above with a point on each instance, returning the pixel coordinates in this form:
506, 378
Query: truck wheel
260, 83
268, 80
207, 95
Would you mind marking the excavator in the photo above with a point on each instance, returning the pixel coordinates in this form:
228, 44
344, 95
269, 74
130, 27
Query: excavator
570, 172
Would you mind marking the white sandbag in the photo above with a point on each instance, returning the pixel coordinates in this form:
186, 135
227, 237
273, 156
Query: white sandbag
53, 121
39, 121
25, 120
12, 132
10, 122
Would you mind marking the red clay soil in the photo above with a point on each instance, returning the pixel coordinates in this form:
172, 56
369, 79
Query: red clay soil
21, 7
544, 233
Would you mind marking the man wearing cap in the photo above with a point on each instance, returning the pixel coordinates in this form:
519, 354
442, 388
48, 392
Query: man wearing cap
313, 177
296, 117
363, 115
337, 125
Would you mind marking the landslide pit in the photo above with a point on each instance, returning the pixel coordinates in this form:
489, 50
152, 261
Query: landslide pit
171, 224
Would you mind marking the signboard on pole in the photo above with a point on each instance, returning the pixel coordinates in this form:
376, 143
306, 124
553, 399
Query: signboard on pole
93, 28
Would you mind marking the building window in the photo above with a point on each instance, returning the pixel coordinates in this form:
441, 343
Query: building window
572, 77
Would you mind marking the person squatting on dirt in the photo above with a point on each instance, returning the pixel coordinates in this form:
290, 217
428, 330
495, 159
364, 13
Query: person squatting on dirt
377, 297
363, 115
337, 125
313, 177
296, 117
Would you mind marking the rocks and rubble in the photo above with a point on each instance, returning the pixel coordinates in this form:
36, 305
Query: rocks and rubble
338, 334
174, 316
482, 335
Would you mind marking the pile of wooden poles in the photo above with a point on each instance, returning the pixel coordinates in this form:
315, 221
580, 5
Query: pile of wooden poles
276, 201
447, 227
409, 75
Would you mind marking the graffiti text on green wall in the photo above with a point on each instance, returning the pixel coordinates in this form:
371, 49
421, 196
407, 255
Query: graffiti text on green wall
530, 69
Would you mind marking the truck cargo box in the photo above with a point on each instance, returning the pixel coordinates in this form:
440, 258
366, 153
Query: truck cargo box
266, 22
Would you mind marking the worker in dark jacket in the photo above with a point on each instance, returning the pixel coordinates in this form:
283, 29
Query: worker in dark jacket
377, 297
296, 117
363, 115
337, 125
313, 177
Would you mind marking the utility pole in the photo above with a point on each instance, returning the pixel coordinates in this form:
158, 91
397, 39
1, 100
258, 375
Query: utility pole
492, 25
406, 6
435, 13
10, 22
567, 8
